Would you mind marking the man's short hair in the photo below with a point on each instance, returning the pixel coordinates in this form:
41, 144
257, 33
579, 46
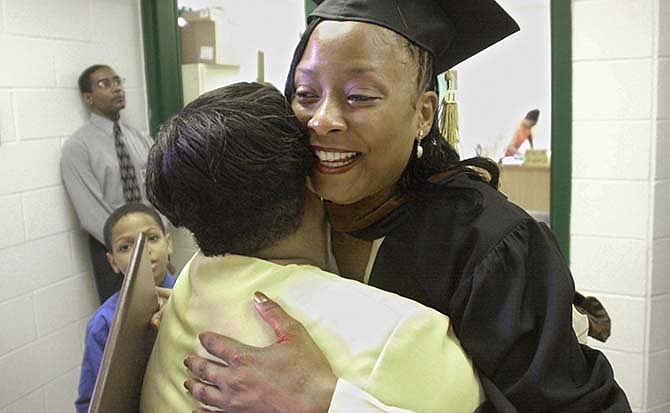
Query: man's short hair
231, 167
122, 211
84, 81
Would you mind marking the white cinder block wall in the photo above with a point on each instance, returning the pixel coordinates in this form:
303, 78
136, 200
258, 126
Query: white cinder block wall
46, 289
620, 230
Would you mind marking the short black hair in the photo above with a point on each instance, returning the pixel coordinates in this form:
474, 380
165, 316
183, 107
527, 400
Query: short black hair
122, 211
84, 81
231, 167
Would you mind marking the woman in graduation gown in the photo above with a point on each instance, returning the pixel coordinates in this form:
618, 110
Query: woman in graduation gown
408, 217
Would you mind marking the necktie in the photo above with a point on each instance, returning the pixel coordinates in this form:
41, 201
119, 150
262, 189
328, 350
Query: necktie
131, 191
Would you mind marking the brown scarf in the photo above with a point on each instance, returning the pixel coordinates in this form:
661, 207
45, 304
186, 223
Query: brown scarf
352, 254
367, 211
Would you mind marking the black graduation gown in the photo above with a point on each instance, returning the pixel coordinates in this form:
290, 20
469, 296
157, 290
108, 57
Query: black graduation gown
502, 280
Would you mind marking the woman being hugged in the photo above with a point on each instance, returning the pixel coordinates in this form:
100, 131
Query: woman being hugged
408, 217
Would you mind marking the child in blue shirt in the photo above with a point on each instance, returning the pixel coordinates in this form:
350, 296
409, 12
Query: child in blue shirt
120, 231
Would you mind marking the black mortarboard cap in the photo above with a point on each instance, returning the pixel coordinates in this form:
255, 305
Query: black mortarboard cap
453, 30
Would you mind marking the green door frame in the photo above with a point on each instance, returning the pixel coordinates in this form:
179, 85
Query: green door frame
561, 121
162, 60
309, 6
163, 73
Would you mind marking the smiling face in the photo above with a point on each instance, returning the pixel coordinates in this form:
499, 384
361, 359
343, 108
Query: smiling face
106, 97
356, 90
125, 232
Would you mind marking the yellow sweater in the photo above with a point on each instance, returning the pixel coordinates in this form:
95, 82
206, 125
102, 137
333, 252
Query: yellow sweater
400, 352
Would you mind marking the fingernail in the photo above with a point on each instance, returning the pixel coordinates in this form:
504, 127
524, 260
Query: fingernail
186, 385
260, 298
156, 322
186, 362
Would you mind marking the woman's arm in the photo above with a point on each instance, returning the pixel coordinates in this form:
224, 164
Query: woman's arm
291, 375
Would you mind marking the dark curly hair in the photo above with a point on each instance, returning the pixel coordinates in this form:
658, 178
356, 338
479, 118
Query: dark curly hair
231, 167
438, 155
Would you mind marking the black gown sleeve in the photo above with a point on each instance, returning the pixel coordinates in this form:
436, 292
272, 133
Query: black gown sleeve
513, 316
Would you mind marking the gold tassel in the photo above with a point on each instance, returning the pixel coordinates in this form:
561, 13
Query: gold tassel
449, 115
